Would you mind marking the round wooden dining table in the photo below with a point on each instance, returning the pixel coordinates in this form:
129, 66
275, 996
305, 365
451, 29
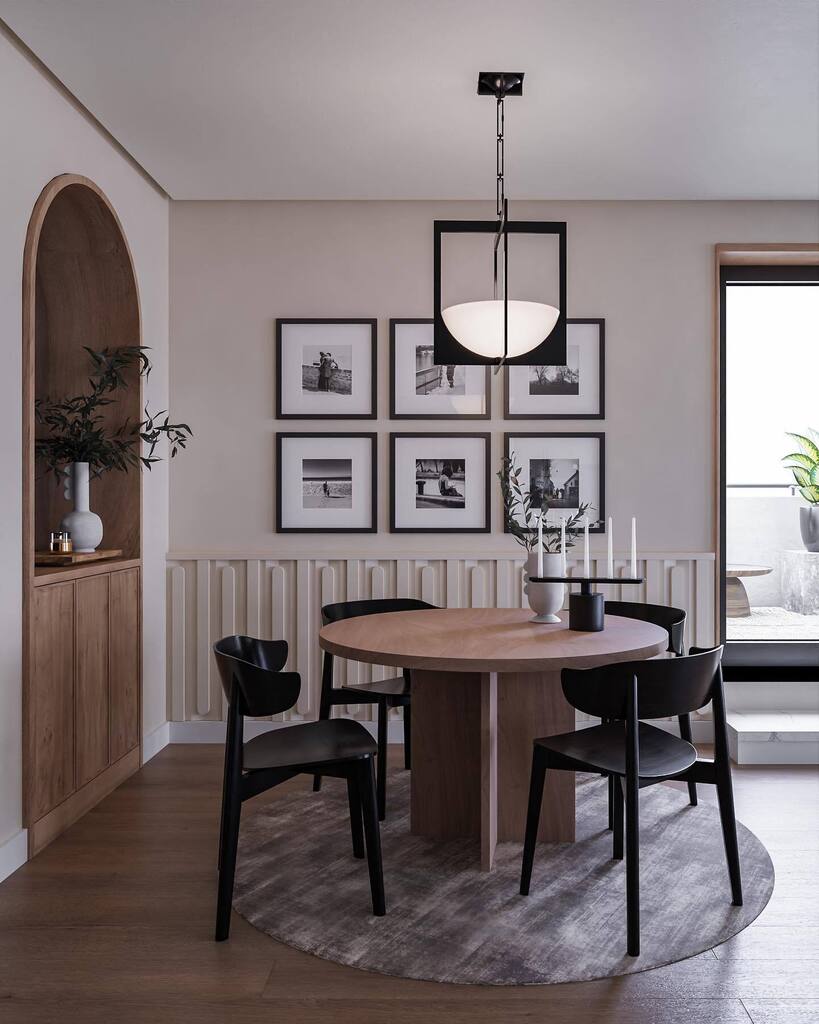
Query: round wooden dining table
485, 683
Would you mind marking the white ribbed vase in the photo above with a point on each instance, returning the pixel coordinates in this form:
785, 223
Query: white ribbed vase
84, 525
545, 599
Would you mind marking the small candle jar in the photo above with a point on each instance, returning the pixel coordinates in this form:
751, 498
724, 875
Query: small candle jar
66, 544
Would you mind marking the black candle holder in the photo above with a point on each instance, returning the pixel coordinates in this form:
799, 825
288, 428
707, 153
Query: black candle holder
587, 610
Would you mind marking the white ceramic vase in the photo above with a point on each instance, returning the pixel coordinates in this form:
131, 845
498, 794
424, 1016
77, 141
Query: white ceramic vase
84, 525
545, 599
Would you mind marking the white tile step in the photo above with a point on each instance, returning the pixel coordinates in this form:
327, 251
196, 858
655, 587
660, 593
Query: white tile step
774, 737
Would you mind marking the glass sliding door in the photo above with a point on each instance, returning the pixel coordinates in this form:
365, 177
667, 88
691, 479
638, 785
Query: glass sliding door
770, 517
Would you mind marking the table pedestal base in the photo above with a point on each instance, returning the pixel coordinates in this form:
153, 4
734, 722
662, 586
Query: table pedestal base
472, 755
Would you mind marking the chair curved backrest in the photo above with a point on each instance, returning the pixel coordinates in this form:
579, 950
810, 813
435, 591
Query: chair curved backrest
374, 606
670, 619
665, 688
255, 667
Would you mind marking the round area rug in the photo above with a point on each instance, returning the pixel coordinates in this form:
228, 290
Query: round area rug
447, 921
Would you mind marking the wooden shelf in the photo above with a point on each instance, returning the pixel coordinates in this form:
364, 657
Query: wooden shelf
51, 558
59, 573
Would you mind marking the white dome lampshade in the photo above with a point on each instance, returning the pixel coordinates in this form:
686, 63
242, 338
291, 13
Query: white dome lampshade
478, 326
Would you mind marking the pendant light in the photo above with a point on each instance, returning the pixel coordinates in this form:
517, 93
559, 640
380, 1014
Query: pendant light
500, 329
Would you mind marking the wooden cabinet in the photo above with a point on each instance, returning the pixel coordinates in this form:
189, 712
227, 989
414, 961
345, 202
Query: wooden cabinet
84, 694
91, 679
124, 658
51, 699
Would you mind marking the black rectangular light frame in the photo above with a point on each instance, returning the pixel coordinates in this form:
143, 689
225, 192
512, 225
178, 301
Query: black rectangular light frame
552, 351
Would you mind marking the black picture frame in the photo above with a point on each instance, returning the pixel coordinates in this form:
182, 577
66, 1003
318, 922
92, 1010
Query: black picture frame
552, 350
487, 504
600, 525
397, 321
282, 322
601, 402
373, 438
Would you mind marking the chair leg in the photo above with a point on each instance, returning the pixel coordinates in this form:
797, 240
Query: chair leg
407, 737
372, 834
633, 865
356, 824
536, 782
229, 840
383, 721
612, 782
725, 796
323, 715
685, 733
617, 814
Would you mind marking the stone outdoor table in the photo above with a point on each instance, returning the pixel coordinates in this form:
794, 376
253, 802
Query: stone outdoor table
800, 581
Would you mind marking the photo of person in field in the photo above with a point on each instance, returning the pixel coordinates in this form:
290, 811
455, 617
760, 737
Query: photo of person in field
327, 483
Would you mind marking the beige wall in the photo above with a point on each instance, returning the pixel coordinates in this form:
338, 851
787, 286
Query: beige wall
646, 267
43, 135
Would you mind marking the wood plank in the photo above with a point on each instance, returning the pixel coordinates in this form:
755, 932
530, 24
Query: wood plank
489, 769
51, 700
445, 798
124, 663
91, 697
43, 576
532, 705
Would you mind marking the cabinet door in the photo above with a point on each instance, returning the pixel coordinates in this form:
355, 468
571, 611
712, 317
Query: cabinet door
91, 683
51, 696
125, 662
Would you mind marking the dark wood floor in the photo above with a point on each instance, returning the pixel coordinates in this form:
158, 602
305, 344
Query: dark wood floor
113, 922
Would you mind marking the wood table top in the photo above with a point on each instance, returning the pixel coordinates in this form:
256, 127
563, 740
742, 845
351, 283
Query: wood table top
748, 570
487, 640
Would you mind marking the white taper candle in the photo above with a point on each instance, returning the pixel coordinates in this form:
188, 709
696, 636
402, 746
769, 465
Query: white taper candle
610, 560
563, 545
634, 547
586, 565
540, 545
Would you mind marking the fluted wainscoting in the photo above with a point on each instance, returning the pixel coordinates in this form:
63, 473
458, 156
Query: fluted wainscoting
211, 596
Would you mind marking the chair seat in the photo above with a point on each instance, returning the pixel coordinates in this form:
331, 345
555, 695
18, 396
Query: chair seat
603, 748
338, 739
381, 688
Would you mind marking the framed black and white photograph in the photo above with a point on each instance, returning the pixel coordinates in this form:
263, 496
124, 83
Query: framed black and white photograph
326, 369
420, 389
574, 391
439, 483
326, 483
567, 469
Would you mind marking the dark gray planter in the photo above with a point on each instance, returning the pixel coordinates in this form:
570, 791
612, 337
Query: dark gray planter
809, 526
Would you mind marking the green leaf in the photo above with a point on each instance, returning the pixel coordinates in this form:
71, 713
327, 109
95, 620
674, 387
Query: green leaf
814, 476
810, 494
807, 446
801, 460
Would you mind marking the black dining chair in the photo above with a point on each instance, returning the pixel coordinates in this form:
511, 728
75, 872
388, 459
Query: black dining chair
673, 621
254, 684
638, 754
385, 693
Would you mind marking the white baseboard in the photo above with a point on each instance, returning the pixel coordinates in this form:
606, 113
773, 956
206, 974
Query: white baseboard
155, 740
214, 732
13, 853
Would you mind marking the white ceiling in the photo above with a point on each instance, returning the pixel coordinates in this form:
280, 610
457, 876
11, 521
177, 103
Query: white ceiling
375, 99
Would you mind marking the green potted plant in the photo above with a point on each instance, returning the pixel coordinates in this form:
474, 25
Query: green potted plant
523, 511
76, 440
804, 464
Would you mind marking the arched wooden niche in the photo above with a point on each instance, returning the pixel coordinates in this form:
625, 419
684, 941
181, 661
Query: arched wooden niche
79, 289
